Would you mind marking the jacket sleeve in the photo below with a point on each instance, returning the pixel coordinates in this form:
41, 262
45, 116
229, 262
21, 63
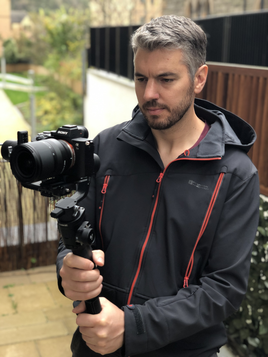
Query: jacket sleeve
221, 288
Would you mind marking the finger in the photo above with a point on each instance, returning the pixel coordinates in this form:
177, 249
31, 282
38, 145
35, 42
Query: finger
82, 287
98, 257
84, 294
74, 261
77, 275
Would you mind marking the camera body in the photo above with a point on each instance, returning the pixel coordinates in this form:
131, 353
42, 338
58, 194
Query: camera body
55, 162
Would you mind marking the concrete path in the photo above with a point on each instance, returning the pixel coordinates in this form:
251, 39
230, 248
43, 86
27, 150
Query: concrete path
35, 319
11, 120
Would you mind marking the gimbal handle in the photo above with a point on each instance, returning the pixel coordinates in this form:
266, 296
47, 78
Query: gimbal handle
93, 306
77, 235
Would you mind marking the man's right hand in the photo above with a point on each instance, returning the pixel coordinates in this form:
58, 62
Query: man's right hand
80, 280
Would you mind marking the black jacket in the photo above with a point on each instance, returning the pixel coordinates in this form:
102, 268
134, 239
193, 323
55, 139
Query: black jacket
177, 240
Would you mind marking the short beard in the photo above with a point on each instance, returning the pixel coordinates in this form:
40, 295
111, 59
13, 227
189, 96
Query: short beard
175, 116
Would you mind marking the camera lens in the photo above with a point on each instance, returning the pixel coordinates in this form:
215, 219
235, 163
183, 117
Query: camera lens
41, 160
26, 163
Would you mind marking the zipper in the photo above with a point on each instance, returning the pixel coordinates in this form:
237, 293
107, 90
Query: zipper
103, 191
203, 227
159, 181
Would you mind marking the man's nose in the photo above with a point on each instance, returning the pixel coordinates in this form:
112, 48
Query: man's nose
151, 91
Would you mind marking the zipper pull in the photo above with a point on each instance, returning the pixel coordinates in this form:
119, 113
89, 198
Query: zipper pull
105, 184
160, 177
185, 282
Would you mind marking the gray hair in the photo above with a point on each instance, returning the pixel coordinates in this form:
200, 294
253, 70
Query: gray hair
173, 32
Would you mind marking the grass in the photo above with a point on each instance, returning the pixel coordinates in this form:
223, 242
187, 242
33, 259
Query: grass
17, 97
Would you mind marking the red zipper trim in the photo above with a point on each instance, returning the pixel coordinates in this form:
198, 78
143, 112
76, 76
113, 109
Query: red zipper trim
103, 191
204, 225
159, 180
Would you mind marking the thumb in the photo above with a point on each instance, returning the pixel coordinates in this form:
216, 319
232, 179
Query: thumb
79, 308
98, 257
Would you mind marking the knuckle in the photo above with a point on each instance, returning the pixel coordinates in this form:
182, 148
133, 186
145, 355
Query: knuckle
102, 335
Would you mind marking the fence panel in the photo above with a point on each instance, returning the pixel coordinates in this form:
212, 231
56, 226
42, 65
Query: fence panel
243, 91
28, 236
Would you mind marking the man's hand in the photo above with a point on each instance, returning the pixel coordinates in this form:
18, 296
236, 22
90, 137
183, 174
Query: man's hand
103, 332
80, 280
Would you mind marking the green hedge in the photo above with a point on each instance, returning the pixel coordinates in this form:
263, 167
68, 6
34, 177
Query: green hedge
248, 328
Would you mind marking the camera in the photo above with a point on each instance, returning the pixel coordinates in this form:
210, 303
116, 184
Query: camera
53, 163
56, 164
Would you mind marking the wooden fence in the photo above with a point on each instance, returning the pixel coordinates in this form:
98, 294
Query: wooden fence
243, 90
28, 236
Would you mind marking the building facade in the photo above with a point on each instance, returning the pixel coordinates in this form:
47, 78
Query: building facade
5, 21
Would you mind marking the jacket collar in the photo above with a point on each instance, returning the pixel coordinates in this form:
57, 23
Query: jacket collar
225, 129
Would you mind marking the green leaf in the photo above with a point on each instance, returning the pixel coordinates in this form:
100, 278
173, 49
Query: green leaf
262, 231
264, 296
253, 341
263, 330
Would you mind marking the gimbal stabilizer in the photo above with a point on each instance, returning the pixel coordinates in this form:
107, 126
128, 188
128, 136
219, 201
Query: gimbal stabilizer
76, 233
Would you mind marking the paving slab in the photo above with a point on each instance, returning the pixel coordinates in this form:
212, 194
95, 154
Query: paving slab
71, 326
59, 299
58, 347
42, 277
31, 297
22, 319
6, 307
40, 270
6, 280
25, 349
32, 332
59, 313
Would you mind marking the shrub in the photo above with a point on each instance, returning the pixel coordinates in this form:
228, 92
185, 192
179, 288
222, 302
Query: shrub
248, 328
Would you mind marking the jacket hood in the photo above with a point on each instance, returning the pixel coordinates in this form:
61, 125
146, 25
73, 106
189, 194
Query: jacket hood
226, 128
235, 130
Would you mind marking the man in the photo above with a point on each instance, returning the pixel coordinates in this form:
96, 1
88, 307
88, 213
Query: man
175, 210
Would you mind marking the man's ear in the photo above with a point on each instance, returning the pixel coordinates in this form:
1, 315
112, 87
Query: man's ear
200, 78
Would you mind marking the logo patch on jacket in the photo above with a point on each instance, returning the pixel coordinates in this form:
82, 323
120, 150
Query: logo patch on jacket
198, 185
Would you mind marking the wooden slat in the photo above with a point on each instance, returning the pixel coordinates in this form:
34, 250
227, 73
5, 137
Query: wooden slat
244, 91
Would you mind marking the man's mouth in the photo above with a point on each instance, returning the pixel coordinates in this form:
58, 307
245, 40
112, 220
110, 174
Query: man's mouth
155, 110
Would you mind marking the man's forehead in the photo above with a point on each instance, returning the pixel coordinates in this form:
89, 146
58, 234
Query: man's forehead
160, 60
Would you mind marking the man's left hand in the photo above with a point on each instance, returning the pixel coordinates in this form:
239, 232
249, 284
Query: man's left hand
103, 332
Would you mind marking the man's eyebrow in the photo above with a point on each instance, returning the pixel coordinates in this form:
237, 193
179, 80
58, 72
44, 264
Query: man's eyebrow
137, 74
165, 74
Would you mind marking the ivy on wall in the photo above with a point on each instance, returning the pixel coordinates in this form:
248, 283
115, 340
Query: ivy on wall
248, 328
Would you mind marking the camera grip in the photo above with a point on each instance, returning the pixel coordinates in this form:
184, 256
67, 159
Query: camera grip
93, 306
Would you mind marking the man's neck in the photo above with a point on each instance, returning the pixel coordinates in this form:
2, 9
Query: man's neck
172, 142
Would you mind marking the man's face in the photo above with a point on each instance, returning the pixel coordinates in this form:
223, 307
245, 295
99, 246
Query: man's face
163, 87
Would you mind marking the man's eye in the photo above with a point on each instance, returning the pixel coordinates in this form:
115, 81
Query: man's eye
140, 79
167, 80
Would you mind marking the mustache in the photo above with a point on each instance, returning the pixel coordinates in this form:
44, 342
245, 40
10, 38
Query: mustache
154, 104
